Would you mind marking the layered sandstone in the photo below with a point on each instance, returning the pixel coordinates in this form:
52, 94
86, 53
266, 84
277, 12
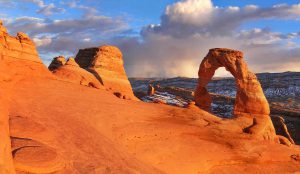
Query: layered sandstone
71, 72
250, 99
37, 137
18, 58
106, 63
59, 127
57, 62
21, 49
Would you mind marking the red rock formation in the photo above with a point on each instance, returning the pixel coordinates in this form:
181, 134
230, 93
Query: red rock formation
71, 72
151, 90
57, 62
6, 162
59, 127
21, 49
281, 128
18, 58
106, 63
250, 99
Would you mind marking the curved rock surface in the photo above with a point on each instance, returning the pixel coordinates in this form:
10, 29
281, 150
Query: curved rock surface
71, 72
6, 162
106, 63
250, 100
59, 127
18, 58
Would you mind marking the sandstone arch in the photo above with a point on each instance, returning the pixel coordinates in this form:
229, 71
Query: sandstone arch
251, 106
249, 97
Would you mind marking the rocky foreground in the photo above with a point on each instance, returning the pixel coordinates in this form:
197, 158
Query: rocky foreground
282, 91
82, 117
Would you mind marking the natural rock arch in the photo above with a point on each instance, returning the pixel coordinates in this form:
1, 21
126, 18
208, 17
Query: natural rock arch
251, 107
249, 97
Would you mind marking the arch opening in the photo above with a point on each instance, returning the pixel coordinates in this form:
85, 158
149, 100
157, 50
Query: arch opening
222, 89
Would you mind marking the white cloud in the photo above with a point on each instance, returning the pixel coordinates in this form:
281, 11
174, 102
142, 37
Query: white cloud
39, 3
67, 35
189, 11
7, 4
189, 28
190, 17
88, 10
259, 36
176, 45
42, 41
50, 9
46, 9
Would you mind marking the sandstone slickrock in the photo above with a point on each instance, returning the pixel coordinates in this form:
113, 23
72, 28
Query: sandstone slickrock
18, 58
6, 162
250, 99
66, 128
71, 72
57, 62
106, 63
43, 139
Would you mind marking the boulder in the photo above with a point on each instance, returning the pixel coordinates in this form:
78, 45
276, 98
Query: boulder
106, 63
71, 72
57, 62
250, 99
151, 90
281, 128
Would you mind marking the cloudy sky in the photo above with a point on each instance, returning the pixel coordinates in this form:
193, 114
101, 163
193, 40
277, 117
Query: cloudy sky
163, 38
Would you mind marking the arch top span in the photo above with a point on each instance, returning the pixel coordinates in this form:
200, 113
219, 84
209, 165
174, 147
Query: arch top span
249, 98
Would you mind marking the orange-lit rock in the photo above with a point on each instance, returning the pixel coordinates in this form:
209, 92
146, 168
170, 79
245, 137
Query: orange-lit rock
59, 127
71, 72
281, 128
250, 99
6, 162
21, 49
151, 90
106, 63
57, 62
